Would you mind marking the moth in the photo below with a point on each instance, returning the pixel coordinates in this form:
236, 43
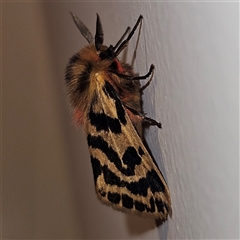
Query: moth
105, 96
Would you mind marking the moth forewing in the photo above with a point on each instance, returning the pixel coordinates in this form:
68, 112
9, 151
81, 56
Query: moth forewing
105, 96
126, 177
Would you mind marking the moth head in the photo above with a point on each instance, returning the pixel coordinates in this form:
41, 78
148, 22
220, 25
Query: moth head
103, 51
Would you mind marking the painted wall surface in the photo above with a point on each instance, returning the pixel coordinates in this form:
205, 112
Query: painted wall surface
47, 181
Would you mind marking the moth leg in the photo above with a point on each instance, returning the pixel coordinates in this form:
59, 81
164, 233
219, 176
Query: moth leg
148, 82
127, 77
121, 39
145, 119
125, 42
150, 72
152, 121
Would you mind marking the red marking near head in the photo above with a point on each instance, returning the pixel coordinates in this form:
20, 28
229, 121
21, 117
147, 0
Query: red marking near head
119, 66
78, 118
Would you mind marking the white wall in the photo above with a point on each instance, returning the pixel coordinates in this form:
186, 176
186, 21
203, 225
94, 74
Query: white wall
196, 97
47, 181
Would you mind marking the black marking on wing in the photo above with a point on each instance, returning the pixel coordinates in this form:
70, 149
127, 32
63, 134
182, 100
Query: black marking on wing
130, 203
127, 201
140, 206
97, 169
109, 91
114, 197
103, 122
160, 205
152, 205
131, 159
101, 144
155, 182
110, 177
130, 156
102, 192
140, 151
140, 187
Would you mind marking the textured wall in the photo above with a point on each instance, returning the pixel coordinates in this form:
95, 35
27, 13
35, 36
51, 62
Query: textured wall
196, 97
47, 182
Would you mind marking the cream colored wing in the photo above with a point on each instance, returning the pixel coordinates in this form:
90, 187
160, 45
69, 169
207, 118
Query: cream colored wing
125, 175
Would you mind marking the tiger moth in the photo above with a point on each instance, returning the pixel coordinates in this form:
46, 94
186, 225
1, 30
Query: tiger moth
105, 96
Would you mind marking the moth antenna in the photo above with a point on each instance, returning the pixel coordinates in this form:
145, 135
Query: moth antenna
83, 29
99, 34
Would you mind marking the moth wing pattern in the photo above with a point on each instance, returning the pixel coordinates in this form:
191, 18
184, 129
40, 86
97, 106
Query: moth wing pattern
125, 175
